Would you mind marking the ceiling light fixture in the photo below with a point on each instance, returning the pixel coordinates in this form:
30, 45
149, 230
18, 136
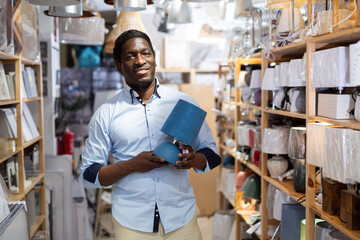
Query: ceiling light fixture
128, 5
54, 2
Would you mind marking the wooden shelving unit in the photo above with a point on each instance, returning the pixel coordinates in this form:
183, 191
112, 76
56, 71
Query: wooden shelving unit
17, 63
191, 72
342, 37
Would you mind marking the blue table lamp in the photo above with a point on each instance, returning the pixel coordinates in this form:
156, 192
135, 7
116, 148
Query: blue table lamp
183, 124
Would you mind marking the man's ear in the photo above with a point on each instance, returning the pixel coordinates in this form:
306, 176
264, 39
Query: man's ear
118, 66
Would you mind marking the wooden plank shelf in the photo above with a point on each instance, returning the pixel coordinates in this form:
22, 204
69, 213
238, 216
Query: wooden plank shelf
8, 56
286, 186
39, 220
291, 50
31, 142
251, 106
28, 61
228, 150
9, 102
5, 156
34, 181
31, 99
341, 36
231, 201
336, 222
229, 102
251, 166
286, 113
344, 123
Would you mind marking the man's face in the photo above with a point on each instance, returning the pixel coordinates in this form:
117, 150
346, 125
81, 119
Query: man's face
137, 63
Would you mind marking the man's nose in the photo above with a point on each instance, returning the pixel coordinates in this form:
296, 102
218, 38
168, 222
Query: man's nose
139, 59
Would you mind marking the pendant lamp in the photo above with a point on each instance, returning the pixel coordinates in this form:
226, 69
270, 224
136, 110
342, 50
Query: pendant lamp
125, 21
183, 124
54, 2
128, 5
179, 12
69, 11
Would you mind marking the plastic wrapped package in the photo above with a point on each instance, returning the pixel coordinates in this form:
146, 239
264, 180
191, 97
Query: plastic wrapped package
243, 134
284, 69
354, 155
275, 140
354, 62
293, 74
277, 75
297, 140
302, 69
330, 68
6, 32
254, 135
336, 153
30, 31
316, 143
258, 139
82, 31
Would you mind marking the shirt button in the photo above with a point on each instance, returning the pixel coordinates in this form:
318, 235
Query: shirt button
159, 200
152, 135
158, 179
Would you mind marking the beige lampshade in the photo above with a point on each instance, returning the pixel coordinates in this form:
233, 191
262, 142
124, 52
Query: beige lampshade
125, 21
281, 4
285, 21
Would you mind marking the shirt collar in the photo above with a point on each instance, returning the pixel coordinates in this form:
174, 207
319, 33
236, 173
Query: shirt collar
131, 93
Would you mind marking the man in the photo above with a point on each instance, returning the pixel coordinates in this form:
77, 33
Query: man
151, 198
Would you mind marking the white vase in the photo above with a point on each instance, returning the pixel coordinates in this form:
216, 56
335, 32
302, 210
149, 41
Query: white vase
277, 166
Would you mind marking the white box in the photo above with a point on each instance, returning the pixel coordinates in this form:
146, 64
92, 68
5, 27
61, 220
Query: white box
335, 106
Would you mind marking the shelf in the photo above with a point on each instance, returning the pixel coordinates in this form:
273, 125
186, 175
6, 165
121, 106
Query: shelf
8, 56
286, 186
292, 50
34, 181
28, 61
251, 166
39, 220
173, 70
9, 102
229, 102
13, 197
344, 123
335, 221
343, 36
251, 106
29, 143
31, 99
286, 113
228, 150
5, 156
229, 126
205, 71
246, 215
231, 201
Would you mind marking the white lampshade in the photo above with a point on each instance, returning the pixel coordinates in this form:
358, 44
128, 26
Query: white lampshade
284, 68
294, 74
54, 2
277, 75
316, 143
285, 21
275, 140
255, 79
130, 5
179, 12
68, 11
354, 153
268, 82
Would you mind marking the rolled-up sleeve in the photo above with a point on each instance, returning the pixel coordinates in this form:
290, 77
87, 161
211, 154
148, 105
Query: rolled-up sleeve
97, 148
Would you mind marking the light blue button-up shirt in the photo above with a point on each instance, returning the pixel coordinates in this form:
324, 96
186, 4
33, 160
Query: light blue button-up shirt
124, 127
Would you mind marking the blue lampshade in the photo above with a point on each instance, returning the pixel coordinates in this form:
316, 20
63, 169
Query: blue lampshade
184, 122
168, 151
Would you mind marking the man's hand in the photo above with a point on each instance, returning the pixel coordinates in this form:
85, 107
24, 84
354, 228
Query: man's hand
190, 158
146, 161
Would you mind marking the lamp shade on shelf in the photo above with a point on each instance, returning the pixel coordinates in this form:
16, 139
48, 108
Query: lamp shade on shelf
297, 140
184, 122
285, 21
275, 140
252, 187
54, 2
268, 82
255, 79
316, 143
241, 178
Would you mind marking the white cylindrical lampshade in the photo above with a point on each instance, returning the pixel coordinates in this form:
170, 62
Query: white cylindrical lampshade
130, 5
336, 153
65, 11
179, 12
316, 143
268, 82
284, 68
277, 75
285, 21
354, 153
275, 140
255, 79
294, 74
297, 143
54, 2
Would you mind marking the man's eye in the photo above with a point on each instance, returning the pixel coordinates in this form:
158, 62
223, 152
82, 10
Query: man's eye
128, 57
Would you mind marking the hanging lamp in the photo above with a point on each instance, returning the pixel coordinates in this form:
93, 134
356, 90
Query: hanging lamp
125, 21
54, 2
128, 5
179, 12
69, 11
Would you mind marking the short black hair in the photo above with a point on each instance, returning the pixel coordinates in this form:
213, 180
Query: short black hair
129, 34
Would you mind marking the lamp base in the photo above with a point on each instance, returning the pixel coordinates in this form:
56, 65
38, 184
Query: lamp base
168, 151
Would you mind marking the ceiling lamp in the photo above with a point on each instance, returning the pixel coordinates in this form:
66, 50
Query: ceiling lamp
125, 21
282, 4
179, 12
128, 5
199, 1
69, 11
54, 2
